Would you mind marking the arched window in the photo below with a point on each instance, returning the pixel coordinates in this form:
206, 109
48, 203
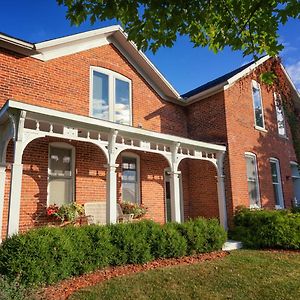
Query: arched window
279, 115
258, 105
252, 178
276, 181
110, 96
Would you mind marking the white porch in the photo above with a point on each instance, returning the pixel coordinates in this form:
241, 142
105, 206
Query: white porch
24, 123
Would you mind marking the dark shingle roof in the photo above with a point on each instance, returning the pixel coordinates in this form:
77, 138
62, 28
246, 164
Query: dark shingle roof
215, 82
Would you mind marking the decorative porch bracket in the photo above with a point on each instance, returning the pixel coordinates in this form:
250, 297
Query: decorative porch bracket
16, 176
7, 132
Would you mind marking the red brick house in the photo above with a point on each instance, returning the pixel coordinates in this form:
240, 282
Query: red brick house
89, 118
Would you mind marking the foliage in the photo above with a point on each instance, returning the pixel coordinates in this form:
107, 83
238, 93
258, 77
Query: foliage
138, 210
250, 26
267, 228
50, 254
67, 212
244, 274
12, 290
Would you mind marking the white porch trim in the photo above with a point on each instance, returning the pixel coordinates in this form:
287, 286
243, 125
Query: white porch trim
33, 122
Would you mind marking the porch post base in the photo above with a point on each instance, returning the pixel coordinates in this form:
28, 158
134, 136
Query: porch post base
111, 194
15, 199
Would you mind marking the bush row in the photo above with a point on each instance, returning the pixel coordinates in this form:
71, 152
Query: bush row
50, 254
267, 229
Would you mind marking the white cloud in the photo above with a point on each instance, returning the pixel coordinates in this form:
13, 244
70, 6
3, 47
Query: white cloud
294, 72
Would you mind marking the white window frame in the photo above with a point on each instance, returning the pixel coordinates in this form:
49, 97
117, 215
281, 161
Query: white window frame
62, 145
280, 191
138, 171
278, 96
112, 76
256, 85
252, 155
295, 164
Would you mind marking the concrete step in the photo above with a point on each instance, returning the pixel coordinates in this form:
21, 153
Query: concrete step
232, 245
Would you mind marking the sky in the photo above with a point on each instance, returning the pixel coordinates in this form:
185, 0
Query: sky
184, 66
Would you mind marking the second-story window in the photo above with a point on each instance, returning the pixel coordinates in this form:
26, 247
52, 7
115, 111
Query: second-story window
110, 96
257, 104
279, 115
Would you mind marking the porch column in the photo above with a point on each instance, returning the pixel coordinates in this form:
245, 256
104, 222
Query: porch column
111, 194
221, 191
111, 179
15, 190
2, 191
175, 196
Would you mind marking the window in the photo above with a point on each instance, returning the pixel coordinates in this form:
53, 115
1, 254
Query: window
111, 96
276, 181
252, 178
60, 174
257, 104
296, 182
130, 178
279, 115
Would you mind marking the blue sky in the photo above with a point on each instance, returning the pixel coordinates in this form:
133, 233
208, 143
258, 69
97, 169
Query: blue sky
184, 67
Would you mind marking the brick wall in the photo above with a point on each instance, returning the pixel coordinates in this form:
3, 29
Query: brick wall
63, 84
243, 137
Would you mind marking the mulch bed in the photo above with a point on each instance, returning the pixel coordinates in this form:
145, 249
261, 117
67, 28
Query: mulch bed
65, 288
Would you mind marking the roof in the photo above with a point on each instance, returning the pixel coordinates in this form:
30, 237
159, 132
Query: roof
217, 81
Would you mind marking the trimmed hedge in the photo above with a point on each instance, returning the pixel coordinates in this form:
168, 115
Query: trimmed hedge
267, 229
50, 254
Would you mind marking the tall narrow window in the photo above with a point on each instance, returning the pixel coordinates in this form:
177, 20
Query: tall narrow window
111, 96
276, 181
296, 182
100, 96
122, 103
60, 176
130, 179
279, 115
252, 178
257, 104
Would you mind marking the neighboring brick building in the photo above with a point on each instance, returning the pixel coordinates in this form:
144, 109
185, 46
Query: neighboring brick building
88, 118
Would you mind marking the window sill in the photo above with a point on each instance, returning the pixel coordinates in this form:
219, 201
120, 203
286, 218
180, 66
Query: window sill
260, 128
255, 206
283, 137
278, 207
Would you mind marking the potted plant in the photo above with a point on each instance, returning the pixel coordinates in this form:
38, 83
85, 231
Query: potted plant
65, 213
138, 210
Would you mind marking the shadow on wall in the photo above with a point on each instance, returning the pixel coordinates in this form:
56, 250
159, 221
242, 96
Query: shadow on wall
201, 184
172, 119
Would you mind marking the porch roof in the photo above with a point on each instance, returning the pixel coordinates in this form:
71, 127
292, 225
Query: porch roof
52, 116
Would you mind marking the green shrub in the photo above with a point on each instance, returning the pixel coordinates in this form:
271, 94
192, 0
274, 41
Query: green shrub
50, 254
130, 243
267, 229
12, 290
202, 236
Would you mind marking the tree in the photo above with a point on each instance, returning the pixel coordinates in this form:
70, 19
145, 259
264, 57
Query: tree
247, 25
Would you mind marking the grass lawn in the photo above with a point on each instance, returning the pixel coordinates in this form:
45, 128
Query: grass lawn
243, 274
